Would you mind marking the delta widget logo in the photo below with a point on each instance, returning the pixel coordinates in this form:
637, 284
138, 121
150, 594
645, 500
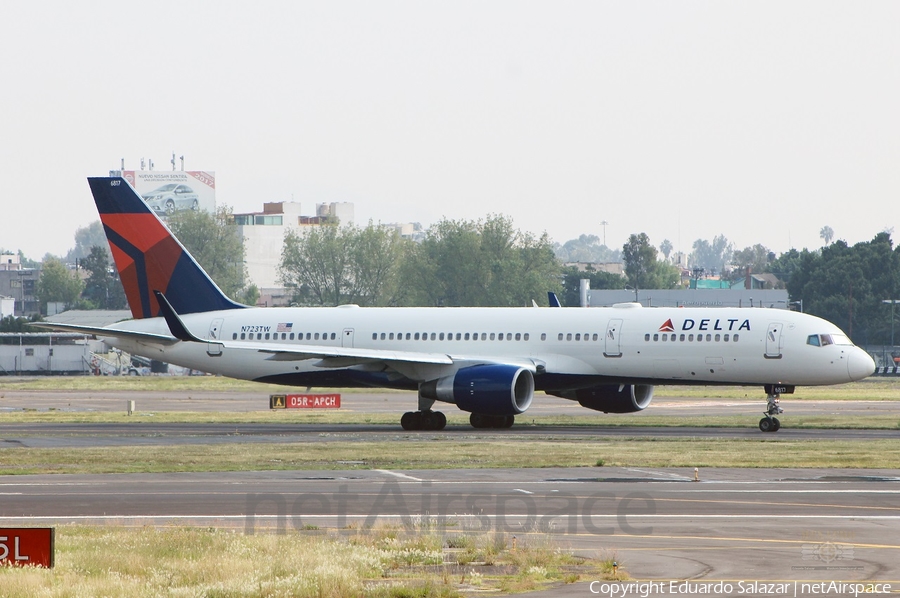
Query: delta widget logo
667, 327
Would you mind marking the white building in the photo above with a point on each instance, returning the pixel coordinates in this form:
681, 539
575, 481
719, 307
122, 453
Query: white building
7, 306
263, 235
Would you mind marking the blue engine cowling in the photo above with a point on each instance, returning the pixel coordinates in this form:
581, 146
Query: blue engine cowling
487, 389
615, 398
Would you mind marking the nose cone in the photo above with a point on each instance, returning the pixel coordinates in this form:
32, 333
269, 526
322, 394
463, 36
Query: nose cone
860, 365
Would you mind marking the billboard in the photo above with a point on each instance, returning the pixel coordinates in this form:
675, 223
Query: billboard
169, 192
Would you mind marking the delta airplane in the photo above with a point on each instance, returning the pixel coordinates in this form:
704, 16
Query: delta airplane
487, 361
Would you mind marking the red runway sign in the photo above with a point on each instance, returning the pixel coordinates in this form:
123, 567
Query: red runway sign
305, 401
27, 546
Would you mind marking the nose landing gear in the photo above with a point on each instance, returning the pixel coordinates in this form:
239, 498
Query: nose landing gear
770, 423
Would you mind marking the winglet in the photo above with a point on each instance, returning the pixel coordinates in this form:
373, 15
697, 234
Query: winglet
553, 299
176, 326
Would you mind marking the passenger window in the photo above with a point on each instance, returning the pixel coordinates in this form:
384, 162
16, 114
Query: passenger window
234, 336
243, 336
374, 336
646, 337
595, 337
433, 336
492, 336
665, 337
267, 336
333, 335
459, 336
417, 336
291, 336
484, 336
525, 336
442, 336
569, 336
467, 336
543, 336
317, 336
407, 336
717, 338
725, 338
560, 336
681, 338
735, 337
578, 337
708, 337
699, 338
655, 337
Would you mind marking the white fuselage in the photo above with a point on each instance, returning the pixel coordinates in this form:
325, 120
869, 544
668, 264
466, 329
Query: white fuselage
566, 347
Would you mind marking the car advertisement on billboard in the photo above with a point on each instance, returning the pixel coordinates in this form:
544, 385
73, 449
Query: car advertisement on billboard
169, 192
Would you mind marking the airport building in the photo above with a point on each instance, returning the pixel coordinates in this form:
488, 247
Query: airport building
17, 287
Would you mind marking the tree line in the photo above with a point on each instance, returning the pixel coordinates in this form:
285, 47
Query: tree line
489, 262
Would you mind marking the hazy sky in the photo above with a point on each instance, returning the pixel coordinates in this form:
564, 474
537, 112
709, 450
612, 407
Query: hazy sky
762, 121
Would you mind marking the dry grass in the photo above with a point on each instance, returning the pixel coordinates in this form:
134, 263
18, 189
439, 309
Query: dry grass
115, 561
444, 452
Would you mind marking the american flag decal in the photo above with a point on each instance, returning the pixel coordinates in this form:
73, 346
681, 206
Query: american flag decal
284, 327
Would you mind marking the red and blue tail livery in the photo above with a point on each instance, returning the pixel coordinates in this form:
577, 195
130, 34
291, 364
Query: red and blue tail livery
149, 258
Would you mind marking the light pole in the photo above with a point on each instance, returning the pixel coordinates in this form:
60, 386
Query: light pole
603, 224
892, 302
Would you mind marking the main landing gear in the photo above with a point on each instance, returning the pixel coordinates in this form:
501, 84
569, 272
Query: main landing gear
423, 420
770, 423
479, 420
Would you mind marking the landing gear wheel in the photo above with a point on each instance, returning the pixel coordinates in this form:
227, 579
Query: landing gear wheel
407, 421
770, 423
423, 420
480, 420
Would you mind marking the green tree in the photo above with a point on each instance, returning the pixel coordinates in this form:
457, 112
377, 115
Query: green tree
58, 284
586, 248
334, 265
86, 238
214, 242
713, 257
846, 285
642, 267
666, 248
599, 280
756, 258
102, 288
480, 263
827, 234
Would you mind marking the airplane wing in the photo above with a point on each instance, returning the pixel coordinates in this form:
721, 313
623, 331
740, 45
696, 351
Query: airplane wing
109, 332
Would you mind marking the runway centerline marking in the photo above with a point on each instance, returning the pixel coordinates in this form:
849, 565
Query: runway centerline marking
402, 476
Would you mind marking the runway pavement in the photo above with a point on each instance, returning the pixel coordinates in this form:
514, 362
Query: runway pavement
738, 525
658, 523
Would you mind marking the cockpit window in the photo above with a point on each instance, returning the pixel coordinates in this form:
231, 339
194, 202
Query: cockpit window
823, 340
840, 339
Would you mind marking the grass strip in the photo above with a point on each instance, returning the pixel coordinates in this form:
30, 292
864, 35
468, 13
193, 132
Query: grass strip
886, 389
445, 453
380, 563
346, 416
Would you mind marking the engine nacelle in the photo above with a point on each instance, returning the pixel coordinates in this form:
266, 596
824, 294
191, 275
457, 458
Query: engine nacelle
488, 389
615, 398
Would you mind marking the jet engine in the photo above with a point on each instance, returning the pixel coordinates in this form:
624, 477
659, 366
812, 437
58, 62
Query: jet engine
486, 389
612, 398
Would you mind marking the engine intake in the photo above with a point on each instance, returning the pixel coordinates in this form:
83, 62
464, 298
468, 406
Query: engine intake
613, 398
487, 389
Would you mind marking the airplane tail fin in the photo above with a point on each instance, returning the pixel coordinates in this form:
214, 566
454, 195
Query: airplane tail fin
149, 258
